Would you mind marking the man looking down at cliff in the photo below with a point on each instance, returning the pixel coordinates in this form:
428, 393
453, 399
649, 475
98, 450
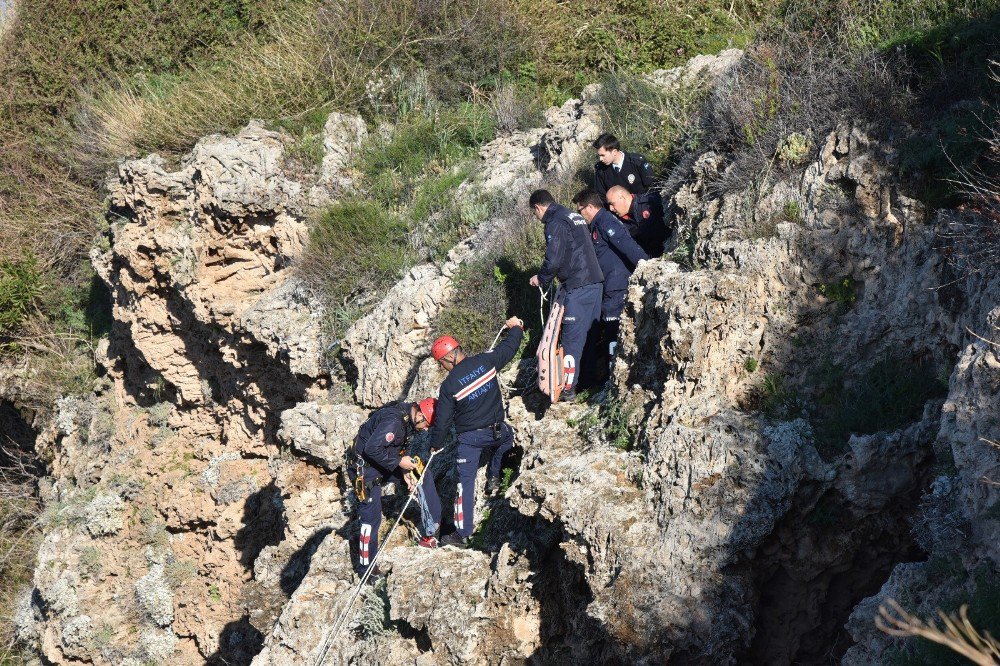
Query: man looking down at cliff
470, 398
377, 457
570, 257
618, 254
642, 215
616, 167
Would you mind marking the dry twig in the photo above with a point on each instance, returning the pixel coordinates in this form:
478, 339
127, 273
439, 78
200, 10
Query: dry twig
958, 634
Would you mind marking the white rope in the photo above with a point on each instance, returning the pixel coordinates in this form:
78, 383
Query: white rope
541, 305
341, 620
499, 333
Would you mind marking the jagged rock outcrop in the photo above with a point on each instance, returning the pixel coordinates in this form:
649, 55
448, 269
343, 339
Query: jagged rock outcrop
697, 510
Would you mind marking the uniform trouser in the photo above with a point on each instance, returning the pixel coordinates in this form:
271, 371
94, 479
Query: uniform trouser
580, 326
471, 445
370, 511
611, 310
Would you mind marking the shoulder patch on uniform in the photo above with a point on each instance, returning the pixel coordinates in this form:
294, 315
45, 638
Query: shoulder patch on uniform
611, 232
645, 214
631, 178
595, 234
389, 437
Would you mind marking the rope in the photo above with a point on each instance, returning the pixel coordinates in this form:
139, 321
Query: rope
499, 333
332, 634
541, 304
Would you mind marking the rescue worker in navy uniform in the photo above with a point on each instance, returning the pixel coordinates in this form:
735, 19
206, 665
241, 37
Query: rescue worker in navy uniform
616, 167
617, 253
642, 215
470, 398
569, 256
378, 457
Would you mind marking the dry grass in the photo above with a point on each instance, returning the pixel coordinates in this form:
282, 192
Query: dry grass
19, 537
271, 76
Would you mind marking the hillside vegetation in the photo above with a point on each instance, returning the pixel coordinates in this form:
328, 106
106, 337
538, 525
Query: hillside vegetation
85, 84
96, 82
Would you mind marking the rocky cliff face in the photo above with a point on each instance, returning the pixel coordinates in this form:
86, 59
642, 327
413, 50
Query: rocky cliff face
701, 509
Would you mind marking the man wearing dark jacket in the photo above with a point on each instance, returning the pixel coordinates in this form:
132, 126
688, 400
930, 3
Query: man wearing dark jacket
470, 398
377, 457
642, 215
617, 253
570, 257
615, 167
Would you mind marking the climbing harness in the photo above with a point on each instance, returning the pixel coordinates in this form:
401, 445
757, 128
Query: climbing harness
333, 632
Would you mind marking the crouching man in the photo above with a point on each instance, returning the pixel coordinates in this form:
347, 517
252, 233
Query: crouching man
376, 457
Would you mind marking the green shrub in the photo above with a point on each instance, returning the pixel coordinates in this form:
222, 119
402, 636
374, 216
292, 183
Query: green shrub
355, 245
750, 364
373, 616
491, 289
843, 292
61, 44
478, 308
647, 119
889, 395
179, 572
20, 288
611, 420
984, 614
791, 212
91, 562
425, 158
577, 38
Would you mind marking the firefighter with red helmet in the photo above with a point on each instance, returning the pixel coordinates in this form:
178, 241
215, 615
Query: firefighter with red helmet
378, 456
470, 399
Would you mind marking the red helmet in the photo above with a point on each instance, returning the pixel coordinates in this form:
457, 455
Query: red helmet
443, 346
427, 407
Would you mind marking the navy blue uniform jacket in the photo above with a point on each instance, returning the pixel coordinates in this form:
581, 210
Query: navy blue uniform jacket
616, 251
381, 439
470, 394
636, 176
569, 251
645, 223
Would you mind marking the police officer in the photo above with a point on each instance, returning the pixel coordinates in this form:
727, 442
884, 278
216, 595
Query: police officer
569, 256
617, 253
470, 398
615, 167
642, 215
377, 457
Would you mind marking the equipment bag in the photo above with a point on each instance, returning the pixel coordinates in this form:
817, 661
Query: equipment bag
550, 353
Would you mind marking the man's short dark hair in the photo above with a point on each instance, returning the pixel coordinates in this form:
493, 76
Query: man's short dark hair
588, 197
607, 142
540, 198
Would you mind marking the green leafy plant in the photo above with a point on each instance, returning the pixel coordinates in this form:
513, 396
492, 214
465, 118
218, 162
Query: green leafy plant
21, 286
843, 292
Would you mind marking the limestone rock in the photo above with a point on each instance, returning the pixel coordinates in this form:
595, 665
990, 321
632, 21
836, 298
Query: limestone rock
343, 134
701, 68
383, 349
288, 321
322, 432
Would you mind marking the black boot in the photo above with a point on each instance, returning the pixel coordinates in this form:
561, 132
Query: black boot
454, 539
492, 486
